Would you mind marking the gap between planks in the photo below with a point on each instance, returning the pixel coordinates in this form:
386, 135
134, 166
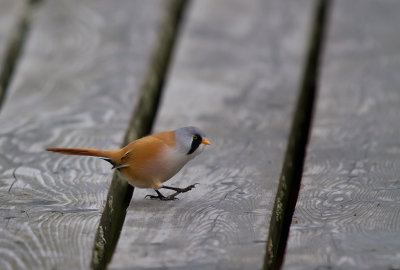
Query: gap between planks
292, 169
120, 192
15, 46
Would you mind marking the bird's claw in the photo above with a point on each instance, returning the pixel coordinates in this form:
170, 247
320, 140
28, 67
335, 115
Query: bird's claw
186, 189
171, 197
163, 198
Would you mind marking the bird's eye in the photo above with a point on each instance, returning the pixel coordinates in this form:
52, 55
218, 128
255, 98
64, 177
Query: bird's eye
195, 137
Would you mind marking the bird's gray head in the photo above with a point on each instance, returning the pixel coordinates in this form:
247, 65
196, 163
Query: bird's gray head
191, 140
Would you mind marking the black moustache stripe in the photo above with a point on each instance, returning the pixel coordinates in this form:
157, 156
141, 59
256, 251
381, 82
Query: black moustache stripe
195, 144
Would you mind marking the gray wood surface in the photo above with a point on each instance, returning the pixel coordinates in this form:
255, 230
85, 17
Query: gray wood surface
235, 75
76, 85
347, 215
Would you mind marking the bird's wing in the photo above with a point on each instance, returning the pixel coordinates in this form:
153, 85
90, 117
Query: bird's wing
140, 152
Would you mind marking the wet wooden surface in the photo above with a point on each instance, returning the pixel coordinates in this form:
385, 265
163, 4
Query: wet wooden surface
235, 75
347, 215
76, 85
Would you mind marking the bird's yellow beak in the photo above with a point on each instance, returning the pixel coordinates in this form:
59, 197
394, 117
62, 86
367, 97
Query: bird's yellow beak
205, 142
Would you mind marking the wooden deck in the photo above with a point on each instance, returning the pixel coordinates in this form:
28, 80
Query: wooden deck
100, 73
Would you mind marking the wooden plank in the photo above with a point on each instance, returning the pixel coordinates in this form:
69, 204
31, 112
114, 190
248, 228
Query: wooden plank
235, 75
75, 86
347, 214
120, 192
293, 163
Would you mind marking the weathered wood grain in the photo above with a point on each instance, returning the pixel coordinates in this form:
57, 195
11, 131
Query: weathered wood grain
347, 215
235, 75
12, 21
76, 85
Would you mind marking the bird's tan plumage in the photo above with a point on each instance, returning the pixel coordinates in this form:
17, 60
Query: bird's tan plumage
146, 162
85, 152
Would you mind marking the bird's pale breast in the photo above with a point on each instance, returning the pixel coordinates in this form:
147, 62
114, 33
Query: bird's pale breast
152, 161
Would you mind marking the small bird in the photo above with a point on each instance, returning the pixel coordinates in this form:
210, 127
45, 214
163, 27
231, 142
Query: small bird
150, 161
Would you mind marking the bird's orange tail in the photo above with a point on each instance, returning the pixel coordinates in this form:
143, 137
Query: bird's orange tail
110, 154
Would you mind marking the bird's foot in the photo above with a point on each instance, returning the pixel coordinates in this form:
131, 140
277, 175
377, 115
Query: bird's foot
163, 198
172, 196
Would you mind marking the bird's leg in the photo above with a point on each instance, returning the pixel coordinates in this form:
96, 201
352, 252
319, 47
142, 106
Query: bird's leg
162, 197
180, 190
